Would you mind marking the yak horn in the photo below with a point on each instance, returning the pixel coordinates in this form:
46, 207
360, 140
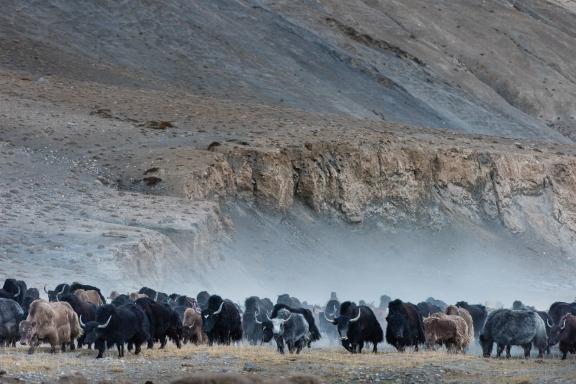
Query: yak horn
105, 324
219, 309
357, 317
156, 297
288, 317
549, 324
329, 320
81, 322
256, 319
563, 325
45, 291
18, 294
268, 317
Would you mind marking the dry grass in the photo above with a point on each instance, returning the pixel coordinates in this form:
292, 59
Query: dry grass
331, 364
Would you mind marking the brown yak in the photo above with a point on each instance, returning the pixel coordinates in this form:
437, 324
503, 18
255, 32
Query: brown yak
449, 330
463, 313
90, 296
55, 323
135, 296
192, 324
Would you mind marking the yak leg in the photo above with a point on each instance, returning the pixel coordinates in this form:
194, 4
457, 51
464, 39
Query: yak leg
33, 344
72, 346
500, 349
375, 348
63, 347
176, 340
527, 349
299, 345
346, 345
280, 345
360, 346
162, 342
100, 345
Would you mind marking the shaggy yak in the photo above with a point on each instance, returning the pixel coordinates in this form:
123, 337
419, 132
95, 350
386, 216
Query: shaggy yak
448, 330
463, 313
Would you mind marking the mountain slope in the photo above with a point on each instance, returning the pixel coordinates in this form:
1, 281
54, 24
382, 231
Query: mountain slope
497, 67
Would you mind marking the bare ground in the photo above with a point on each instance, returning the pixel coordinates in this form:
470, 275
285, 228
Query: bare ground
331, 365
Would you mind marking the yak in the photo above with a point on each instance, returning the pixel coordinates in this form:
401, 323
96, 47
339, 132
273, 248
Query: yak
11, 314
357, 325
53, 322
85, 311
559, 309
121, 300
159, 297
427, 309
478, 313
564, 333
221, 321
290, 329
325, 320
448, 330
463, 313
252, 318
18, 288
164, 322
118, 325
405, 327
202, 298
192, 327
507, 327
62, 289
314, 332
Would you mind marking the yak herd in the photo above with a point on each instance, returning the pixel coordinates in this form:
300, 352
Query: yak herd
78, 315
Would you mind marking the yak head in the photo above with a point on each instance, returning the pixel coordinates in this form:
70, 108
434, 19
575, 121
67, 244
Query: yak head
396, 324
96, 329
212, 313
57, 292
26, 329
267, 327
279, 322
487, 344
556, 330
349, 314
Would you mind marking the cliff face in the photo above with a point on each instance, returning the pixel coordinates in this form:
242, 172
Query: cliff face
516, 185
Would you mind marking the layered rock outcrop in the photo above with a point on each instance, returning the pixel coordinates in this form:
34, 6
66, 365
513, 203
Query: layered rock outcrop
400, 181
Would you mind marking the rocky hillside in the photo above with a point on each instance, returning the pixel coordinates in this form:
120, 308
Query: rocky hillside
211, 144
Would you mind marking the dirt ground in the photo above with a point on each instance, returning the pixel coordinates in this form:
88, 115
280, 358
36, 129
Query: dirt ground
329, 364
